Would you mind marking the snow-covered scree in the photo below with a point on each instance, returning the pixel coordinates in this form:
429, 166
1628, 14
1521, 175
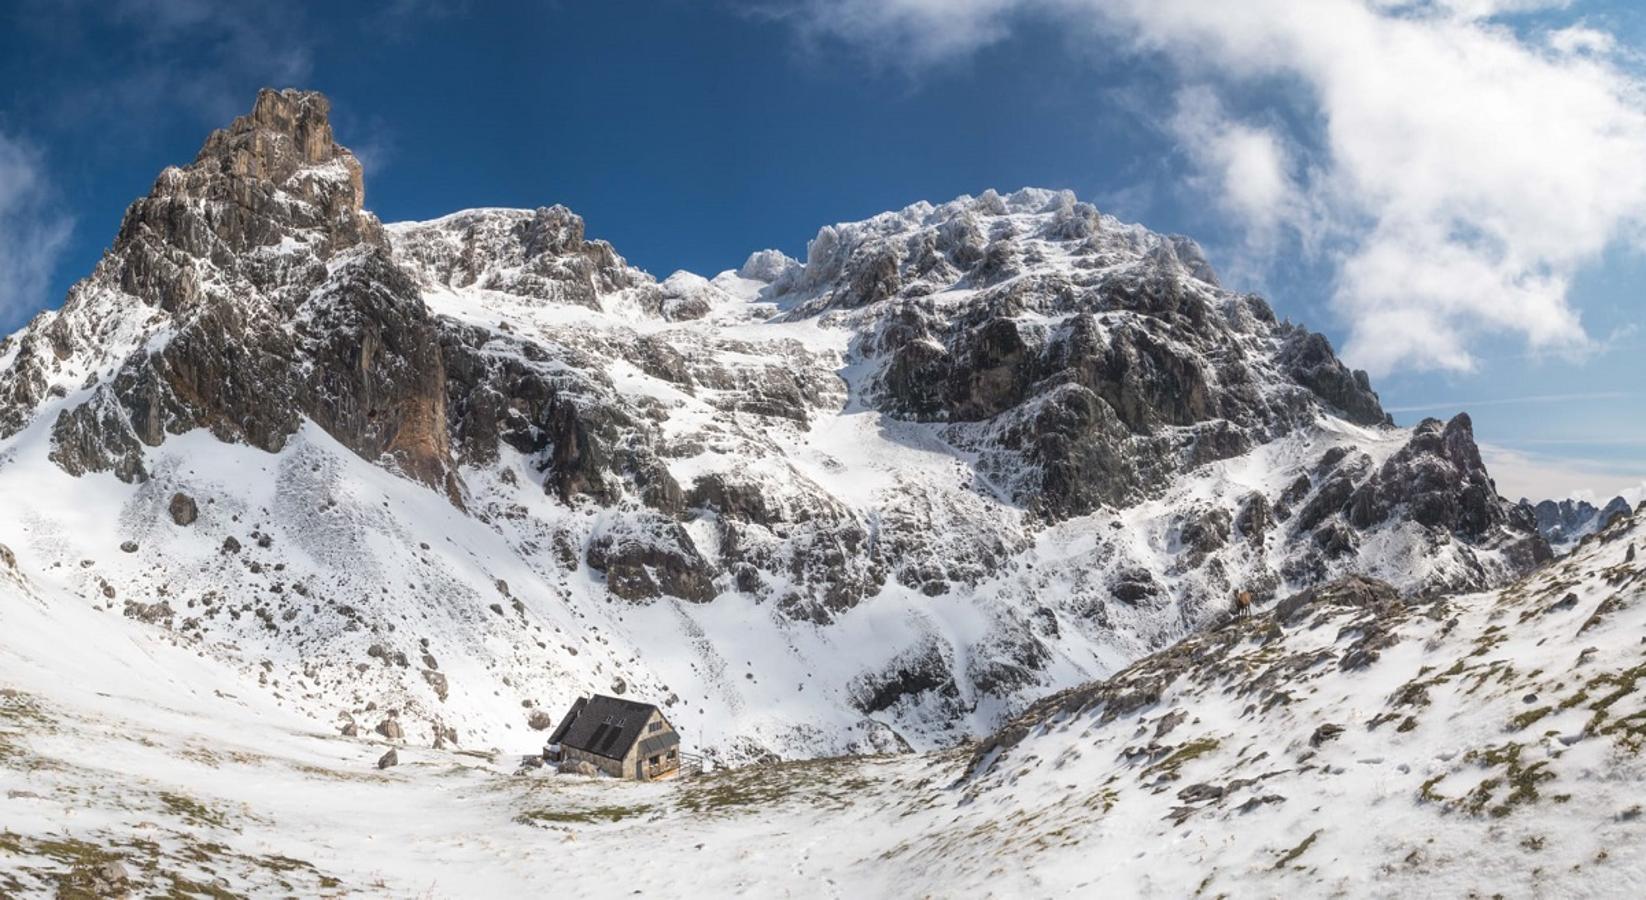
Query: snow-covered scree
1347, 743
437, 479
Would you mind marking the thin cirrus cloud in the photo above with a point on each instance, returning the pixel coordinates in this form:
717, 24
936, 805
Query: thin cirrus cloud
1515, 401
1457, 173
34, 228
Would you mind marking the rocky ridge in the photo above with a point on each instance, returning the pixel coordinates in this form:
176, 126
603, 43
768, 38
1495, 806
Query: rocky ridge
1479, 739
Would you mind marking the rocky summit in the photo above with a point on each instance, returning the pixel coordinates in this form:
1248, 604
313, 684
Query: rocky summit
423, 479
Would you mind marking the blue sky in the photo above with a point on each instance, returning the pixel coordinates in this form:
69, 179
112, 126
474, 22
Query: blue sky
1447, 188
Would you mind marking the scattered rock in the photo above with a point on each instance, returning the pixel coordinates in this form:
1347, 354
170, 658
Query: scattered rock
390, 728
391, 758
150, 613
1327, 732
129, 547
230, 545
539, 720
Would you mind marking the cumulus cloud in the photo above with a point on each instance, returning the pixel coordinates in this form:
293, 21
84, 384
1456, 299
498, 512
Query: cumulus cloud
1462, 173
33, 229
1246, 166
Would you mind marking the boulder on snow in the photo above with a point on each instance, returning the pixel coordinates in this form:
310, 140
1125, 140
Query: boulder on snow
390, 728
391, 758
129, 547
110, 879
539, 720
183, 509
7, 558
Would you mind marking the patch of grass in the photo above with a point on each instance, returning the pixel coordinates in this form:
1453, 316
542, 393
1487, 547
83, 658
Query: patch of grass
1522, 781
1168, 767
192, 811
1427, 791
826, 782
1529, 717
581, 816
1297, 851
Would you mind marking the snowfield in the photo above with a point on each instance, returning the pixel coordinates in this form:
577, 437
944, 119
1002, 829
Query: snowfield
1348, 743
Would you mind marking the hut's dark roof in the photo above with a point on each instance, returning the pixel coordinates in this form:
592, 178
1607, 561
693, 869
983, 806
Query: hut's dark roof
604, 726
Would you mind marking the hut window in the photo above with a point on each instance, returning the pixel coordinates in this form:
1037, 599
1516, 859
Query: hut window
655, 760
654, 727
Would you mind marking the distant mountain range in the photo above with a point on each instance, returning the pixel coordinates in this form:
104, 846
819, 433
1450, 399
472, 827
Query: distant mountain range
1565, 522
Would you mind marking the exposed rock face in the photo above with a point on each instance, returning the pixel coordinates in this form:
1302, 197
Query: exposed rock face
651, 557
782, 523
1439, 479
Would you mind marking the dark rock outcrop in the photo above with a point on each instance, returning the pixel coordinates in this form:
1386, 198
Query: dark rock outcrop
648, 557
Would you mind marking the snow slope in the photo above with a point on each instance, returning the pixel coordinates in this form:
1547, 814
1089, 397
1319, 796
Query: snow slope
1351, 743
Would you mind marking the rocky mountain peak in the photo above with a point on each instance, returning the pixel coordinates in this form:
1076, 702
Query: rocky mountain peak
275, 175
285, 131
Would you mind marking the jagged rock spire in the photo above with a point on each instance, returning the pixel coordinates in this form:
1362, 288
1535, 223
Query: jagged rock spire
274, 174
285, 131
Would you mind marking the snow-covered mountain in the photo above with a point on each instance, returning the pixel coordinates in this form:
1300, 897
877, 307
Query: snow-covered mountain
430, 478
1565, 522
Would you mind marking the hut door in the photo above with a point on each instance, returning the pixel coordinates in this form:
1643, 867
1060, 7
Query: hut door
639, 768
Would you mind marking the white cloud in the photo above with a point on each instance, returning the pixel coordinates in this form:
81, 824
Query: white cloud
1537, 477
1462, 172
1246, 166
33, 230
1581, 39
910, 32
